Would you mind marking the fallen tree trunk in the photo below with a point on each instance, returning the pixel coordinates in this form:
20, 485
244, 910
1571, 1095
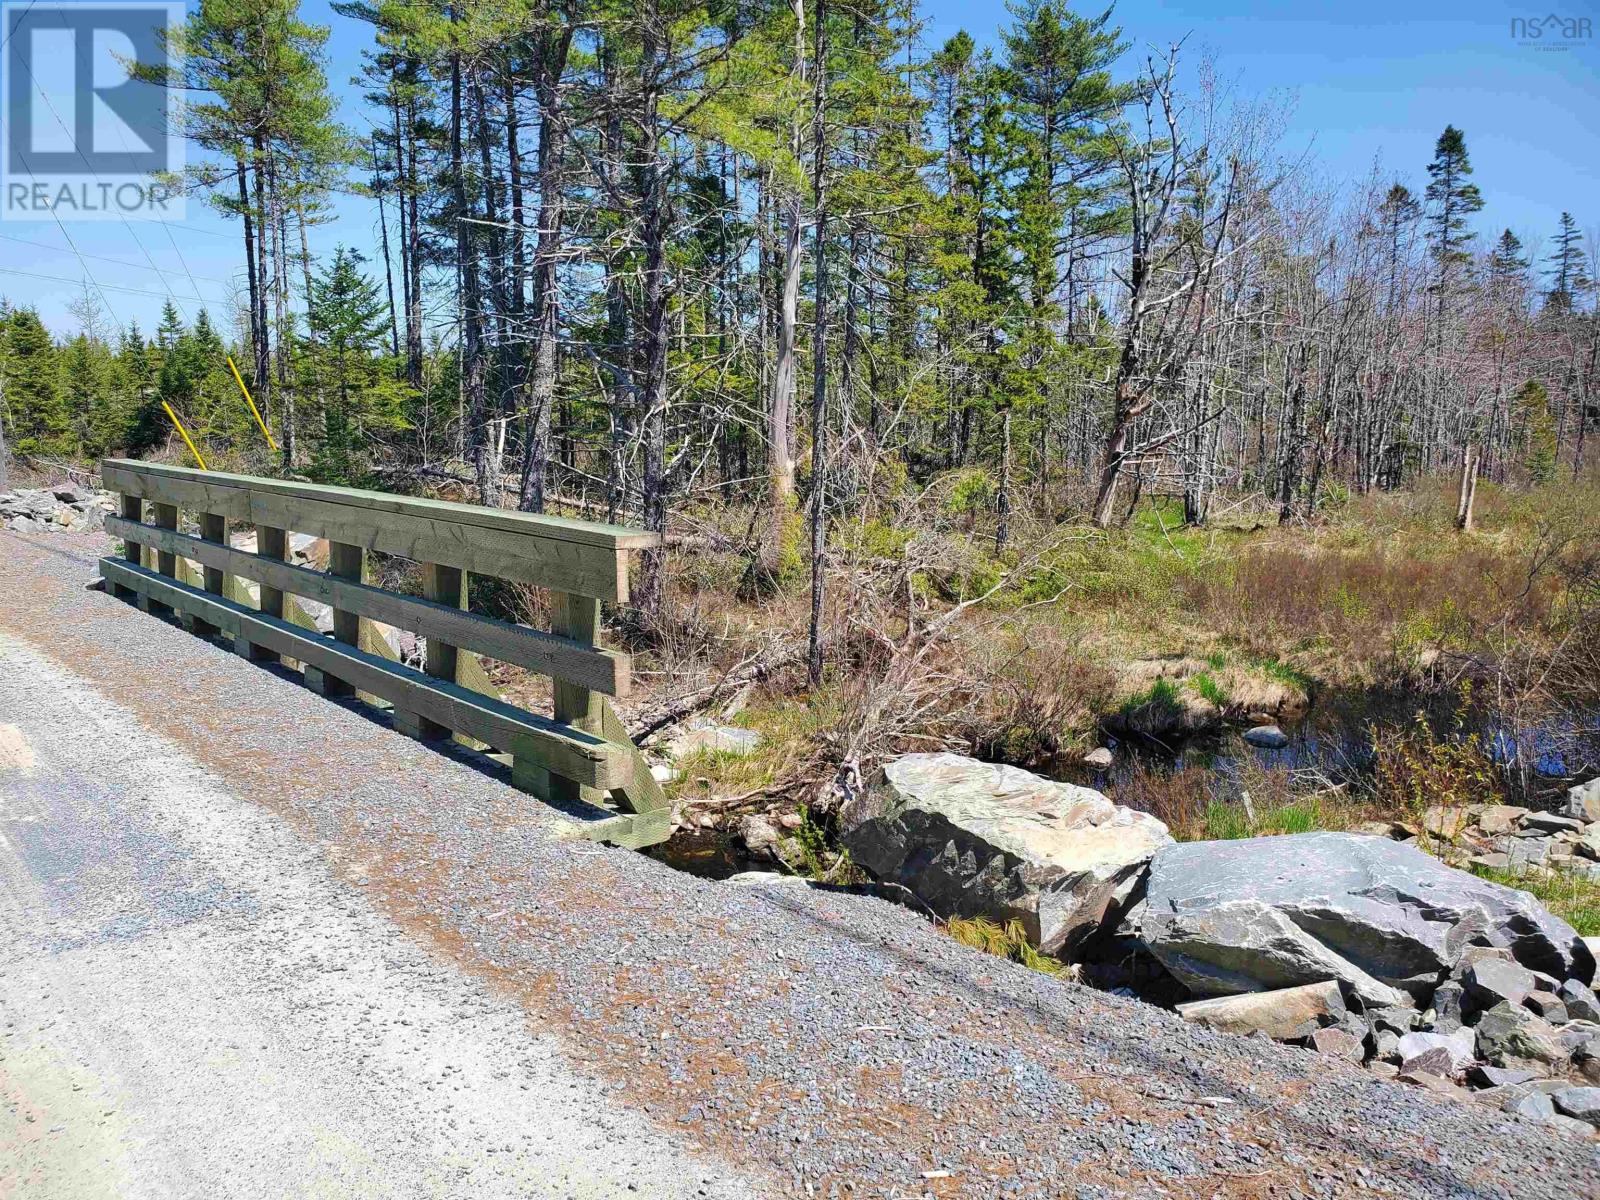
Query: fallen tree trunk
668, 710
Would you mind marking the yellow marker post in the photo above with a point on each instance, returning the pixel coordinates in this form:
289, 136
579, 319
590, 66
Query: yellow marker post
239, 379
187, 441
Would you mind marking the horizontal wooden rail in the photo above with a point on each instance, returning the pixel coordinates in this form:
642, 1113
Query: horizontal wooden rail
579, 759
583, 757
600, 670
582, 557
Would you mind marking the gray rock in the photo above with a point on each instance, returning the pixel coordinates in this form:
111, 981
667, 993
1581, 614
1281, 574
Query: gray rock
1434, 1083
1447, 1007
1552, 822
1267, 737
1508, 1036
1473, 955
1588, 843
1384, 918
25, 525
979, 839
1288, 1014
714, 738
1583, 801
759, 836
1575, 1037
1530, 1104
1501, 818
1581, 1002
1498, 1077
1386, 1045
1547, 1006
1398, 1020
1580, 1103
1099, 758
1524, 854
1458, 1046
1569, 1125
1489, 981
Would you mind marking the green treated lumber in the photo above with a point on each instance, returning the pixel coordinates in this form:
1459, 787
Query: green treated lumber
213, 529
585, 557
272, 545
640, 792
345, 562
447, 587
571, 753
570, 566
591, 533
576, 617
132, 551
199, 492
600, 670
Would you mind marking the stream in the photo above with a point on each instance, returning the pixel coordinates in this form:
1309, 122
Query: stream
1329, 743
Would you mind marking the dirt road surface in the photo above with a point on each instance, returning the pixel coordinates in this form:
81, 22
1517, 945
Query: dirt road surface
253, 943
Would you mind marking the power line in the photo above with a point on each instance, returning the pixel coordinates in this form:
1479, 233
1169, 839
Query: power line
101, 287
120, 262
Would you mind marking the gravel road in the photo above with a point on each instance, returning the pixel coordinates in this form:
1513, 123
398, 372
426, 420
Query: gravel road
192, 1005
178, 960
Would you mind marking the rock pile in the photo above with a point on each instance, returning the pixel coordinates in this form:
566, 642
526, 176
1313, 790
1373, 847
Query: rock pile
65, 508
1510, 838
1358, 946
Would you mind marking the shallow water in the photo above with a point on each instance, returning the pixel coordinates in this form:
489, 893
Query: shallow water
1333, 739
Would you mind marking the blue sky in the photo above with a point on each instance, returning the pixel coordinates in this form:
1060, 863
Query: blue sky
1365, 82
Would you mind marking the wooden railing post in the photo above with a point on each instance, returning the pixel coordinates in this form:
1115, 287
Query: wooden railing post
273, 543
579, 756
576, 617
347, 562
442, 585
213, 528
164, 516
132, 510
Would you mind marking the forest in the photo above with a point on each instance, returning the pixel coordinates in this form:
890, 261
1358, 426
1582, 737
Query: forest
880, 336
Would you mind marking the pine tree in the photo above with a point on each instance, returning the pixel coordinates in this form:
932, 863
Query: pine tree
349, 322
1453, 200
1508, 268
1569, 281
36, 410
1532, 405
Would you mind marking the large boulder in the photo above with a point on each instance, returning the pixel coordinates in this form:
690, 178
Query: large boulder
1382, 917
971, 839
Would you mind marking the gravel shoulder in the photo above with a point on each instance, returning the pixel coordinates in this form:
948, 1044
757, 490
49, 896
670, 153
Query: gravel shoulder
823, 1044
191, 1005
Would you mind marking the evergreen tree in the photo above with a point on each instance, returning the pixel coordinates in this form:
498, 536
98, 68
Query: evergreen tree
1532, 405
1569, 281
1453, 200
37, 416
348, 319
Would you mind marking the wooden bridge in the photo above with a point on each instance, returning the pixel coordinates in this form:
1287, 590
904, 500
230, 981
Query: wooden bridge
579, 758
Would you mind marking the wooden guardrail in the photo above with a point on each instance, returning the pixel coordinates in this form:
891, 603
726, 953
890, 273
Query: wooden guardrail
579, 758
